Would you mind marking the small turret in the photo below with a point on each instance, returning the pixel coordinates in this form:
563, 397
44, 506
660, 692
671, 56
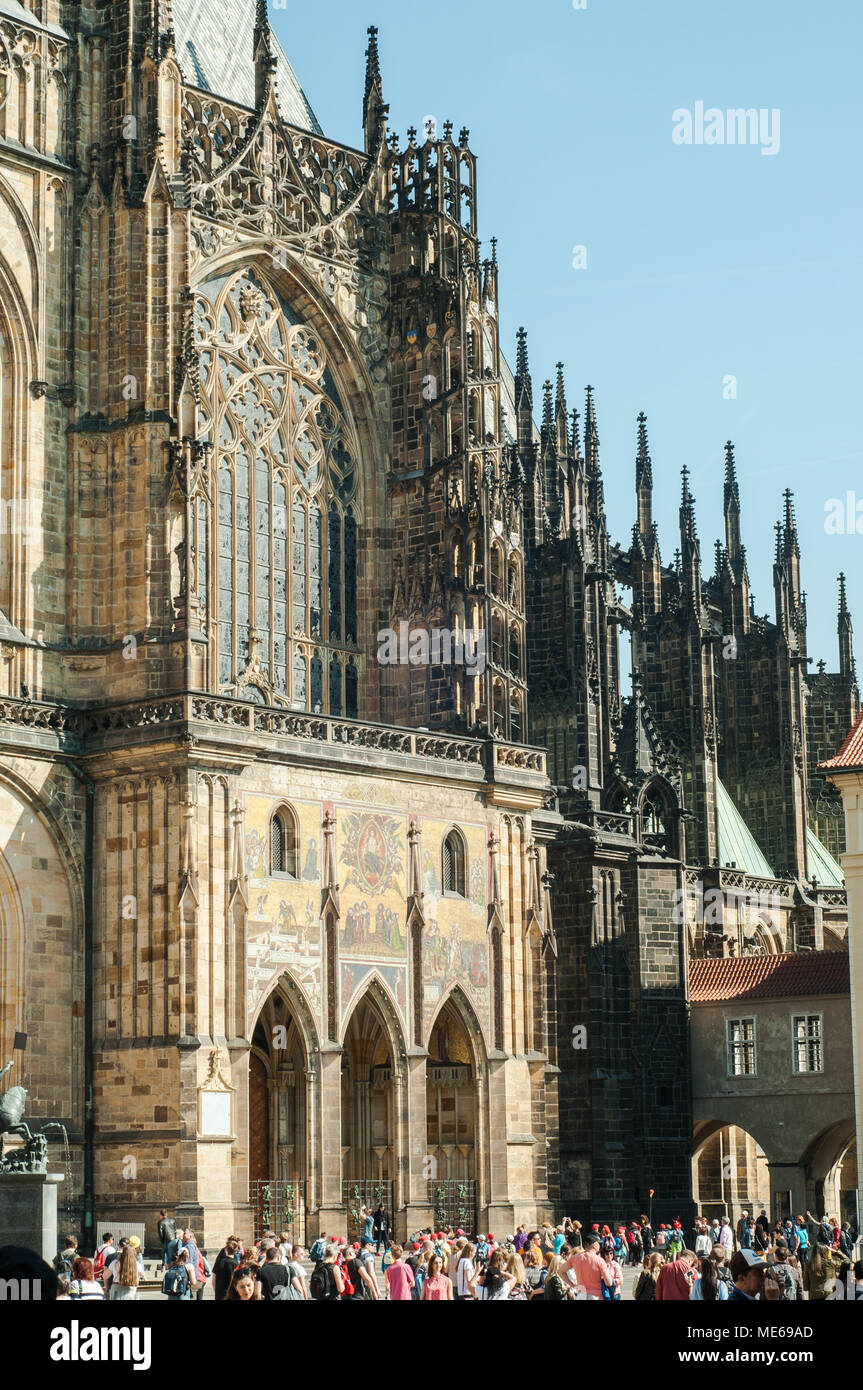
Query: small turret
373, 100
731, 506
846, 635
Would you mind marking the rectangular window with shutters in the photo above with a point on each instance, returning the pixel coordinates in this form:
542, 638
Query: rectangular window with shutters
807, 1035
740, 1036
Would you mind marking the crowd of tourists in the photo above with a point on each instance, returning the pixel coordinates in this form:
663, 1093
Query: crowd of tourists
806, 1257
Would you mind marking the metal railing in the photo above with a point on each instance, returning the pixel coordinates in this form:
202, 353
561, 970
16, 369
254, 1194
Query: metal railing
453, 1201
279, 1206
365, 1192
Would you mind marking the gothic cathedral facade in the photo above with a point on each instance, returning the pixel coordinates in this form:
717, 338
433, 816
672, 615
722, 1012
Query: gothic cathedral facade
333, 862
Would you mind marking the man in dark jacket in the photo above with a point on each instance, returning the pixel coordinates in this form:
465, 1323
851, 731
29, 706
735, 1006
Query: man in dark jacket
167, 1233
273, 1277
228, 1259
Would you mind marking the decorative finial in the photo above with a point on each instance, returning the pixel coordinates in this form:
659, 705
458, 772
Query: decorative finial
464, 137
547, 408
843, 601
560, 396
643, 461
447, 130
521, 364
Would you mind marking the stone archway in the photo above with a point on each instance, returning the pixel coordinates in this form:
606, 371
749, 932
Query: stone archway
730, 1171
830, 1164
282, 1088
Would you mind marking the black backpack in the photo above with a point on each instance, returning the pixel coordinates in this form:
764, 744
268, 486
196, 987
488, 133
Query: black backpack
176, 1280
322, 1283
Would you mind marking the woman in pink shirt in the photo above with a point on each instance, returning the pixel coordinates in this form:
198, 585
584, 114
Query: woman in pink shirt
437, 1288
615, 1290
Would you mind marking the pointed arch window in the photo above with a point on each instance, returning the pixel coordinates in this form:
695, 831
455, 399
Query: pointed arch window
454, 866
284, 844
287, 469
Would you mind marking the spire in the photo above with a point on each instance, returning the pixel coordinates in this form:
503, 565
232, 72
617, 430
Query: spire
644, 480
265, 59
560, 407
575, 441
732, 492
373, 99
560, 414
731, 505
690, 550
687, 510
523, 382
791, 545
547, 414
591, 436
846, 635
644, 463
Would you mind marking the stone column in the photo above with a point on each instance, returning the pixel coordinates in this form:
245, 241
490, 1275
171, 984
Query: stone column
499, 1211
330, 1216
850, 783
414, 1163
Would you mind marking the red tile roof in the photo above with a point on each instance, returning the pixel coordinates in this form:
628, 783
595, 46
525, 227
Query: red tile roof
850, 755
792, 976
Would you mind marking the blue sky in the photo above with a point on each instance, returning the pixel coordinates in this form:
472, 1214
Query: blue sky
703, 262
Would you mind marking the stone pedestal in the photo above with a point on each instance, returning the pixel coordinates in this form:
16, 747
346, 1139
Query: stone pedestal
28, 1212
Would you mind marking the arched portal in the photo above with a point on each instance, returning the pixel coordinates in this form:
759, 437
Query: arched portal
830, 1164
451, 1098
279, 1109
456, 1115
730, 1172
368, 1100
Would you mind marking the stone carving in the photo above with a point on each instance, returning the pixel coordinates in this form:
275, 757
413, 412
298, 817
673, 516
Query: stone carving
33, 1158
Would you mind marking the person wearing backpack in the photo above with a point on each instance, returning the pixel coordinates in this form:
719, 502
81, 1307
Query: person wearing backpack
104, 1253
326, 1284
82, 1285
786, 1266
318, 1250
167, 1229
65, 1258
357, 1276
177, 1282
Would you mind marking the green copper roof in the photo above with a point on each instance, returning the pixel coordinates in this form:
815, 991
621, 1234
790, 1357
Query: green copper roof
822, 865
737, 844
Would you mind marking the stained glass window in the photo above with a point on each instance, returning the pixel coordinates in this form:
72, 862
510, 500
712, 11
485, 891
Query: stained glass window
285, 535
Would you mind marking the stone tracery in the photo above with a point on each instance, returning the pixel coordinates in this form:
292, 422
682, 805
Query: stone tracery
287, 465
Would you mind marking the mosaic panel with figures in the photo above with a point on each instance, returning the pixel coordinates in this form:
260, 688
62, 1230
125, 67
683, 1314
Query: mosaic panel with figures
455, 943
284, 927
